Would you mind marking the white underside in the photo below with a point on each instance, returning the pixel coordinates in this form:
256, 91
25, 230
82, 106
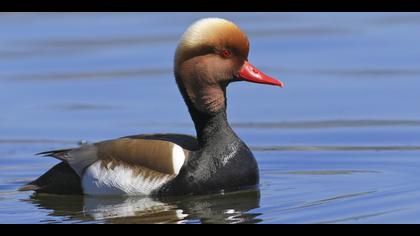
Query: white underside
120, 180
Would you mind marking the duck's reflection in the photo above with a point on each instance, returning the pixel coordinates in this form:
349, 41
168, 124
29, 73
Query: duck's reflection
233, 207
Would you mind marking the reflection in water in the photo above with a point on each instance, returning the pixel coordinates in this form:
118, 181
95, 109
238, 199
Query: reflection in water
131, 210
226, 208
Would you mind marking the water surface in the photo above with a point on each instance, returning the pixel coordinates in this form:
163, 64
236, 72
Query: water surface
340, 144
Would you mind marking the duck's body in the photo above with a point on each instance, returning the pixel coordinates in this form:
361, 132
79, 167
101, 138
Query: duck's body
173, 164
155, 164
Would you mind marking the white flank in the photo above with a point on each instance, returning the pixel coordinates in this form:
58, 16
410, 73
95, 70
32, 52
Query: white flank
119, 180
178, 158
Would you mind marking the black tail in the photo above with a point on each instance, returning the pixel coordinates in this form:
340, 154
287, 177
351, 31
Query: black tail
61, 179
58, 154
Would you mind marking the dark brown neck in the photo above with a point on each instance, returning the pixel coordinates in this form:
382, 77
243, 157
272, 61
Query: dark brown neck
209, 125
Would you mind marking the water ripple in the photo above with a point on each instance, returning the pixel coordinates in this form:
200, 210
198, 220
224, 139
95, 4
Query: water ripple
330, 172
35, 141
334, 148
137, 73
326, 124
359, 217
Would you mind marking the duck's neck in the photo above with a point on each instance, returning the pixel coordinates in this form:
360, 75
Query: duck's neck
212, 128
211, 125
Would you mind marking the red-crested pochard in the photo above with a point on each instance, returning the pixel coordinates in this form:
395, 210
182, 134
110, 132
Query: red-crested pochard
212, 53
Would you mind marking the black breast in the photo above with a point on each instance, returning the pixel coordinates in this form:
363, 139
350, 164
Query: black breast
223, 162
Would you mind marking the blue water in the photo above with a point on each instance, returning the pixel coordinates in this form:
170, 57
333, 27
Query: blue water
339, 144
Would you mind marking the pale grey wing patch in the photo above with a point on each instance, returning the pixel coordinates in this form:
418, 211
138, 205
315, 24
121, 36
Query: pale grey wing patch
80, 158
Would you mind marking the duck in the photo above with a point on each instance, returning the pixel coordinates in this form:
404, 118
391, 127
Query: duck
211, 54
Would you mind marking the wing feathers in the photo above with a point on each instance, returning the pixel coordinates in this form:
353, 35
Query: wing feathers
58, 154
159, 155
77, 158
165, 157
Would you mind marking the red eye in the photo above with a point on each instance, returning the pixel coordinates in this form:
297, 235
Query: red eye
226, 53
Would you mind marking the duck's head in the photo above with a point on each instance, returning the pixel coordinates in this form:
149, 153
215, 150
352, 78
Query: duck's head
212, 53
